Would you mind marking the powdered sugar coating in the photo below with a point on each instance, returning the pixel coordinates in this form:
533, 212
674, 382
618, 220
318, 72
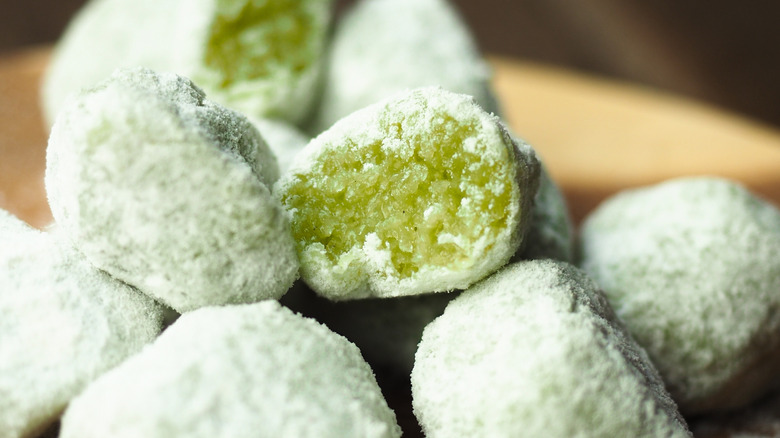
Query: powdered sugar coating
237, 371
693, 267
261, 58
535, 350
382, 47
63, 324
168, 192
379, 201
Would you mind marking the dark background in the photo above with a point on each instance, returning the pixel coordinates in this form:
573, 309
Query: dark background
723, 52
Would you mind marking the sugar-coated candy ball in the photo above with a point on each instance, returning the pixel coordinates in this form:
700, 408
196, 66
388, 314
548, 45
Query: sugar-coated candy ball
169, 192
535, 350
692, 266
262, 58
254, 370
63, 323
418, 193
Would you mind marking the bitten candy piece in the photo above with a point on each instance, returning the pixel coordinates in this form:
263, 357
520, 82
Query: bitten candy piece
419, 193
253, 370
260, 57
63, 323
693, 268
382, 47
168, 192
535, 350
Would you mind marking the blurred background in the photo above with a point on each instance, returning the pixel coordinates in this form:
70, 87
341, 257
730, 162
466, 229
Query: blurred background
723, 52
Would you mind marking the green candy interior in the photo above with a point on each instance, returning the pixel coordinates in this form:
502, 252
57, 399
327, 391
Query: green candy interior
428, 201
254, 39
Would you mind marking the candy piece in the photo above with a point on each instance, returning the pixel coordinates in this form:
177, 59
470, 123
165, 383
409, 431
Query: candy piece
551, 232
63, 324
693, 268
535, 350
422, 192
283, 139
262, 58
238, 371
382, 47
168, 192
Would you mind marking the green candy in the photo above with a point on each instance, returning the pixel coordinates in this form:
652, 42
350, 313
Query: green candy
255, 370
535, 350
422, 192
169, 192
692, 266
63, 324
261, 57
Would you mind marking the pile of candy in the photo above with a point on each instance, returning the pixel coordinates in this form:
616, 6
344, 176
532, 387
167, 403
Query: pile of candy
414, 224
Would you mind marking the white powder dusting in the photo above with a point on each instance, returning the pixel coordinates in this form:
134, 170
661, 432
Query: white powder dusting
237, 371
168, 192
693, 267
63, 324
176, 36
535, 350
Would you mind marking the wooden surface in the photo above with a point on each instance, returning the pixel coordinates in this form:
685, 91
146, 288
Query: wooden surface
596, 137
23, 137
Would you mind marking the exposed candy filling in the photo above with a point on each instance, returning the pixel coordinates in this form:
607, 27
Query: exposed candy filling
254, 39
429, 202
